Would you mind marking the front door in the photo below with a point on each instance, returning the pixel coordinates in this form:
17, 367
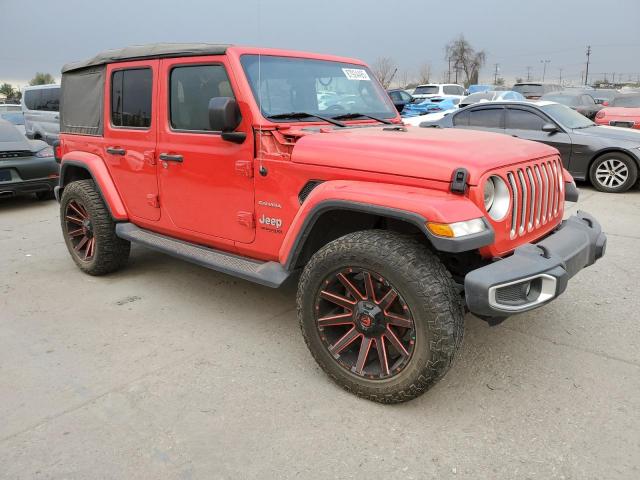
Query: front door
206, 183
130, 135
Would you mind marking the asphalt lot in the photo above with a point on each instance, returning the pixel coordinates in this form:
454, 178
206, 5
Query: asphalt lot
168, 370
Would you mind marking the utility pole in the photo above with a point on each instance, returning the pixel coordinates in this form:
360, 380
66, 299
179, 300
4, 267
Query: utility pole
560, 77
449, 74
586, 74
544, 68
495, 73
528, 74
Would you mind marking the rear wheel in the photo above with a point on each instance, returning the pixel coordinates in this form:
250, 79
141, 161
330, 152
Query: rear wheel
89, 230
613, 172
380, 314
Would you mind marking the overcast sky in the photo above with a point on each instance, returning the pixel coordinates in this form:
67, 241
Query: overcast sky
43, 35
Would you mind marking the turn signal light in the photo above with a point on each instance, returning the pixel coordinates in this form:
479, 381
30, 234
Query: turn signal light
457, 229
440, 229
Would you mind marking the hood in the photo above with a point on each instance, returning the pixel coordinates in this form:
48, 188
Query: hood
613, 134
621, 112
428, 153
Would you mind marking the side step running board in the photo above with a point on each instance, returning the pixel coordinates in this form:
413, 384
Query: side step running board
271, 274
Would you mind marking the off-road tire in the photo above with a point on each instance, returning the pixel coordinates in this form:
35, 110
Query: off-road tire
429, 291
111, 252
632, 172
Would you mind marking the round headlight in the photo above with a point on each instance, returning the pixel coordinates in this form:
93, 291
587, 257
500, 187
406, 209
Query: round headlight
489, 193
497, 197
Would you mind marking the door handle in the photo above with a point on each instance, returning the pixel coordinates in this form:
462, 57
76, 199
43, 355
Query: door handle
167, 157
116, 151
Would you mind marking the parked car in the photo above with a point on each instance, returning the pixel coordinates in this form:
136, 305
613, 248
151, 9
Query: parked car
400, 98
16, 118
443, 90
426, 117
623, 111
9, 107
608, 157
490, 96
220, 156
435, 104
478, 89
581, 102
40, 105
602, 96
535, 90
26, 166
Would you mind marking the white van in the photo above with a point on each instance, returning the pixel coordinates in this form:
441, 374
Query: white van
41, 108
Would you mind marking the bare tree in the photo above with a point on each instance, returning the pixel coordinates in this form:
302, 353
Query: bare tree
424, 73
384, 68
463, 57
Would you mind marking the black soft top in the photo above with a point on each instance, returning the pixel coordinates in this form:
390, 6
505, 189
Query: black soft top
154, 50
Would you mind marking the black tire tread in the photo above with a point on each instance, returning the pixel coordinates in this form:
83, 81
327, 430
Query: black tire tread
434, 286
112, 252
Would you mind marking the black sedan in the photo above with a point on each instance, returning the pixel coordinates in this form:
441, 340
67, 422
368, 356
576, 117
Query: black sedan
400, 98
26, 166
607, 156
581, 102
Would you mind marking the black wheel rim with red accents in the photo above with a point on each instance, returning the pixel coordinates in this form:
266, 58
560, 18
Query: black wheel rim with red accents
79, 230
364, 323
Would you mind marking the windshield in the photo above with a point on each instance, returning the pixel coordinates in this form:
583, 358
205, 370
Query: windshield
632, 101
563, 99
566, 116
528, 89
426, 90
284, 85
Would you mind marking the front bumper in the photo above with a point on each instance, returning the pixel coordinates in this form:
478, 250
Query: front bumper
536, 273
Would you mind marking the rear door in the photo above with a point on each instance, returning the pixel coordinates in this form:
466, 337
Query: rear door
130, 134
206, 185
524, 123
488, 119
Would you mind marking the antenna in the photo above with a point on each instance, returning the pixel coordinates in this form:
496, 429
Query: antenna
261, 168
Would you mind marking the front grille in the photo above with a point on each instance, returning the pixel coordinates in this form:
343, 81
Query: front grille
15, 154
536, 195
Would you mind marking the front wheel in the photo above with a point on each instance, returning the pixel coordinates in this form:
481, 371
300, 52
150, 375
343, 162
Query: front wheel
380, 314
89, 230
613, 172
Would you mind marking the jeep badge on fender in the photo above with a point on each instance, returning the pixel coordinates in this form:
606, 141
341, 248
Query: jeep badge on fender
390, 243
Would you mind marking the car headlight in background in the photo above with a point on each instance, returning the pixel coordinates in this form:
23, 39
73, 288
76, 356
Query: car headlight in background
45, 152
497, 197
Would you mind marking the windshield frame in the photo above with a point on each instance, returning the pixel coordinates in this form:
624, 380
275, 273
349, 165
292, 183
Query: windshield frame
390, 113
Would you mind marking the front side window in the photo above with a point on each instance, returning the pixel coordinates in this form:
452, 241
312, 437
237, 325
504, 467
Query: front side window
192, 87
523, 120
50, 99
284, 85
453, 90
131, 98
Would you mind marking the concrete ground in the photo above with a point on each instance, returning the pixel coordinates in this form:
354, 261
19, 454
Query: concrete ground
168, 370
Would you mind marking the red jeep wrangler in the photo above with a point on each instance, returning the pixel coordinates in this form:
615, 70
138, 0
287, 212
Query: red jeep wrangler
264, 163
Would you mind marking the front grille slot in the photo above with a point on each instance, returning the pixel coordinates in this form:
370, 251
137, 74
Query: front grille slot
536, 195
15, 154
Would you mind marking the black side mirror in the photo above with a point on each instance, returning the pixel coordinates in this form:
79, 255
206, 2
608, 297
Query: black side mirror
224, 117
549, 128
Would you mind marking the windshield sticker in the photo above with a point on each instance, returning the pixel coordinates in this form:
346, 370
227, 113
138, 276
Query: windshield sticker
356, 74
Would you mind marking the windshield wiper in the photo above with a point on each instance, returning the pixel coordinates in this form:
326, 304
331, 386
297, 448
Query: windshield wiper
350, 116
300, 115
584, 126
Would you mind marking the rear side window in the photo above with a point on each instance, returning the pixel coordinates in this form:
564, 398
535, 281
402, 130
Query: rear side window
453, 90
486, 117
131, 98
192, 87
523, 120
44, 99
